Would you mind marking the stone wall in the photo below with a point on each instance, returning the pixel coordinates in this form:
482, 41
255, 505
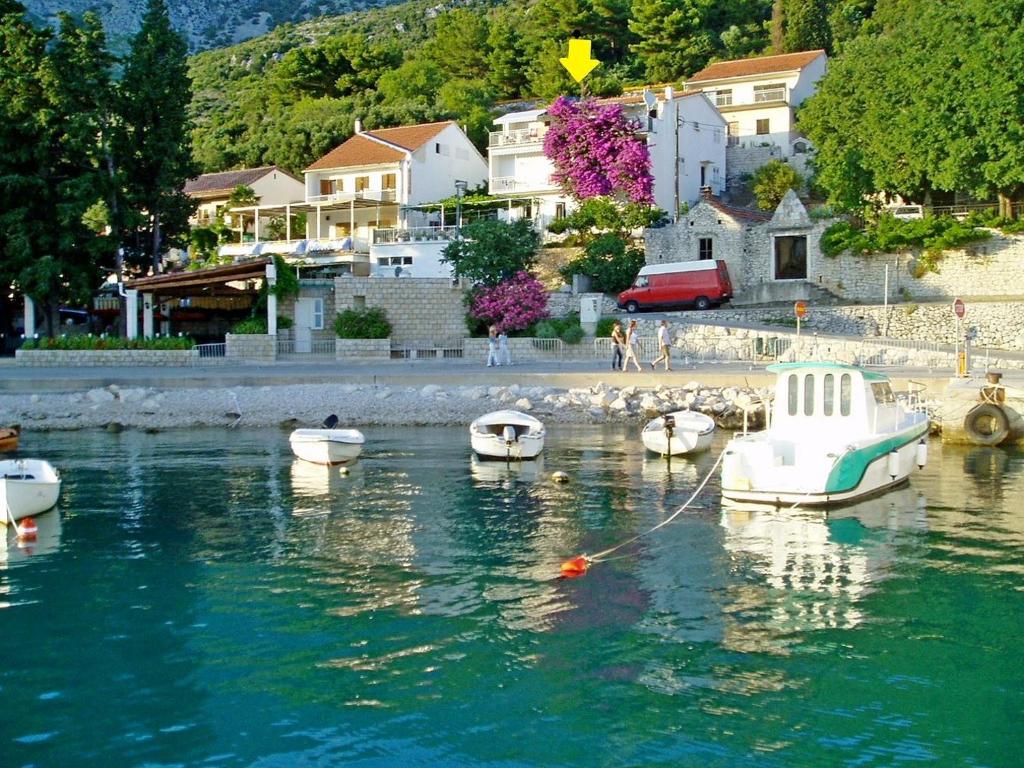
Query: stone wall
258, 347
988, 268
743, 159
562, 303
319, 288
81, 358
376, 349
419, 309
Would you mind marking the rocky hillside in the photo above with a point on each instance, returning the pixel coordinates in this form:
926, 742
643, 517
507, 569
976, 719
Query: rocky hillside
205, 23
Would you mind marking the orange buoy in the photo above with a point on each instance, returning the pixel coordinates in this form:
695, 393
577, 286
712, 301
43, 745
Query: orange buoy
575, 567
28, 529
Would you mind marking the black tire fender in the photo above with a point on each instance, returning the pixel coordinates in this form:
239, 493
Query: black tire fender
987, 424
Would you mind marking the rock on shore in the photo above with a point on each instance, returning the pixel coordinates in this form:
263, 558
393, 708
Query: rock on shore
355, 405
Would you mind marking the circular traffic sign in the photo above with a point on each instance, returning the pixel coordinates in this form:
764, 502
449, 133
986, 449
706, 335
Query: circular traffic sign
959, 308
800, 309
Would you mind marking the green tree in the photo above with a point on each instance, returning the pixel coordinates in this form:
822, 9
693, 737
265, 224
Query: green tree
493, 250
807, 26
609, 261
155, 147
506, 61
772, 181
672, 39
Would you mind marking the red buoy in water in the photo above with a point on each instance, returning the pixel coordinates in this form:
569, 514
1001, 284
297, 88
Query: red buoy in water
575, 567
28, 529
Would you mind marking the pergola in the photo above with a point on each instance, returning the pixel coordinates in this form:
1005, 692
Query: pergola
224, 280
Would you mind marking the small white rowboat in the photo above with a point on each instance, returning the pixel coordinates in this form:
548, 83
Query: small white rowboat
507, 436
678, 433
327, 445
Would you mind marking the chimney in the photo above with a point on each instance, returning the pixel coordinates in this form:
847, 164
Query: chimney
670, 93
359, 125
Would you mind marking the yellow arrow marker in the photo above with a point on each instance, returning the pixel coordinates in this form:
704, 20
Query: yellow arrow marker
578, 62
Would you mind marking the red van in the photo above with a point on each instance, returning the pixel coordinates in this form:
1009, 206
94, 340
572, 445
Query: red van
683, 283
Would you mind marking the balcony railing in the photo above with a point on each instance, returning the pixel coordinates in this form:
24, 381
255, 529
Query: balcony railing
393, 236
775, 94
372, 195
517, 137
506, 184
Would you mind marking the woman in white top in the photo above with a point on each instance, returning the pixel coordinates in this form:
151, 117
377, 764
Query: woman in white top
631, 342
665, 344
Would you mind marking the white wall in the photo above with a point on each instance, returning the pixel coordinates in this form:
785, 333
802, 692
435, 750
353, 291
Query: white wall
434, 173
277, 188
422, 259
780, 124
347, 179
807, 81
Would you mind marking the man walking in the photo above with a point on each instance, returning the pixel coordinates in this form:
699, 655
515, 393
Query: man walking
665, 345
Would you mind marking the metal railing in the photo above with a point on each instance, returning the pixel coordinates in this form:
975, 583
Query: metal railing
209, 351
311, 348
372, 195
516, 137
773, 94
392, 236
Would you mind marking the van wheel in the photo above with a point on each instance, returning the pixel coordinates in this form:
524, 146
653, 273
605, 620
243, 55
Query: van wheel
703, 302
632, 307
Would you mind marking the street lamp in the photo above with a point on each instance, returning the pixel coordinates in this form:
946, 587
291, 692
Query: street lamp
460, 190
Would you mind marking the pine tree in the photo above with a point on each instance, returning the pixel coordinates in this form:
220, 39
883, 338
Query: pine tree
673, 40
155, 145
807, 26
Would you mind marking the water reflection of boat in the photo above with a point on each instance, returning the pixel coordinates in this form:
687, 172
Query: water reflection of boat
836, 554
46, 541
320, 481
497, 471
655, 469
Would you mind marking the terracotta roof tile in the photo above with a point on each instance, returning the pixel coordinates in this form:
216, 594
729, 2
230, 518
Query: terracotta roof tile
359, 150
734, 211
226, 181
761, 65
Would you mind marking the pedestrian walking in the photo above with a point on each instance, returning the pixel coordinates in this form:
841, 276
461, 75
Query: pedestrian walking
618, 342
631, 345
504, 353
665, 345
492, 347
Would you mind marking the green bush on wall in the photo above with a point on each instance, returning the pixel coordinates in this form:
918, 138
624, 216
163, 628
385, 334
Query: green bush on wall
362, 324
258, 325
91, 342
567, 329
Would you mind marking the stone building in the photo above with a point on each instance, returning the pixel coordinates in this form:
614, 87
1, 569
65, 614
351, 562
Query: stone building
770, 257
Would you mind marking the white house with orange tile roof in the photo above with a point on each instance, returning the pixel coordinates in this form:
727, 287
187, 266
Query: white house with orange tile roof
685, 136
758, 96
270, 184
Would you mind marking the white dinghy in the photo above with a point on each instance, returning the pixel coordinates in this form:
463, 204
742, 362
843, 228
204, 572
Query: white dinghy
678, 433
327, 445
507, 436
27, 487
836, 434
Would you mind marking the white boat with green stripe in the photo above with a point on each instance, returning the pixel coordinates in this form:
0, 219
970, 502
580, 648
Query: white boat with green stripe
836, 433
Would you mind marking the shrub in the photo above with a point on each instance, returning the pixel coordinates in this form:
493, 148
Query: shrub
369, 323
604, 326
573, 334
511, 305
608, 262
91, 342
772, 181
568, 329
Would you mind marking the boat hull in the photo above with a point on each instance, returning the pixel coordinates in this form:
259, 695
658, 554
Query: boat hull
862, 471
27, 488
327, 446
9, 440
507, 436
693, 433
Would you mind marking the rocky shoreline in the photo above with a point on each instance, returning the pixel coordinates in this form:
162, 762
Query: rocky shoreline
294, 405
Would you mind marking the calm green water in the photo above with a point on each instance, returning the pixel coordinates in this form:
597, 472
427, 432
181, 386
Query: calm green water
203, 600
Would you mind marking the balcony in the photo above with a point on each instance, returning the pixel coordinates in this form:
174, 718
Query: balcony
506, 185
772, 94
520, 137
393, 236
369, 195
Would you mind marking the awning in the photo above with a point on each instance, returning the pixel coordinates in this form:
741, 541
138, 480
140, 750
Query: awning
193, 281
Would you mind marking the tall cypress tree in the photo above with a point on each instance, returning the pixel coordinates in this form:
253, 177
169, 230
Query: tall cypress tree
154, 141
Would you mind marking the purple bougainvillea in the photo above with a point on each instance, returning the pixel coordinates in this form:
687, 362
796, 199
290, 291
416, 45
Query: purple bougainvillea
512, 304
597, 151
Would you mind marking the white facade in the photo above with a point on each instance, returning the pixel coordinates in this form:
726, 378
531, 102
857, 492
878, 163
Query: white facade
684, 132
275, 187
758, 99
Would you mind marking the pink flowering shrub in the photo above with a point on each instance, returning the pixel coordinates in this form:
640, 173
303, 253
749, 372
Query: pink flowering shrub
597, 151
512, 304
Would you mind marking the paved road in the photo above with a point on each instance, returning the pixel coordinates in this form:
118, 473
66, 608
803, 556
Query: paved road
19, 379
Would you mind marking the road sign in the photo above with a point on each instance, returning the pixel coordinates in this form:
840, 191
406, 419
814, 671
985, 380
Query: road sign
959, 308
800, 309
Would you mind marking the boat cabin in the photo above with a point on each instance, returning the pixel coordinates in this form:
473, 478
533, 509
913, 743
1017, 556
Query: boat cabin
823, 401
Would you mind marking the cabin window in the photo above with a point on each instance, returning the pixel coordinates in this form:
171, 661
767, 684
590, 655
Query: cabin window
761, 127
641, 282
389, 181
883, 393
362, 182
845, 394
809, 394
705, 249
793, 399
327, 187
828, 395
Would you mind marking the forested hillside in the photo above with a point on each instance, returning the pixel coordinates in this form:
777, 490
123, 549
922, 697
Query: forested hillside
291, 95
